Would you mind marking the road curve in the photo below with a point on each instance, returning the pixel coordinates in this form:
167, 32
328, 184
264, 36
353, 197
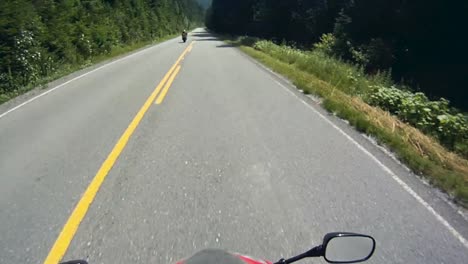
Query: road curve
232, 157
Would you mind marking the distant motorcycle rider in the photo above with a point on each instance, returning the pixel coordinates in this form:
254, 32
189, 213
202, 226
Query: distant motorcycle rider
184, 35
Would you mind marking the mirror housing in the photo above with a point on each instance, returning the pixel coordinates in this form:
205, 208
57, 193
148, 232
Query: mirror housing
352, 247
339, 247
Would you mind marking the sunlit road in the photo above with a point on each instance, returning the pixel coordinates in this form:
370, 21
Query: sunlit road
185, 146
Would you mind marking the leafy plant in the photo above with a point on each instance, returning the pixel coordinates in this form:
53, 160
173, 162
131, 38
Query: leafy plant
435, 118
326, 44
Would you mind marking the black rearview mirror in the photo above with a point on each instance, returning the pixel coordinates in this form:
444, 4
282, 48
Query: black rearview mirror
339, 248
348, 247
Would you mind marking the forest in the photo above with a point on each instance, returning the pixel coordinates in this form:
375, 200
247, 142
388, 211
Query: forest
39, 37
204, 3
417, 41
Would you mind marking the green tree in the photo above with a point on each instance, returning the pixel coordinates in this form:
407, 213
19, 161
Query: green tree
419, 40
40, 36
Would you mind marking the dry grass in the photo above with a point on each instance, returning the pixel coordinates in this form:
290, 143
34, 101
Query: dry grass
425, 145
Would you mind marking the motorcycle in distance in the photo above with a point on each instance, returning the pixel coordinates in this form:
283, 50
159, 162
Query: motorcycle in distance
338, 247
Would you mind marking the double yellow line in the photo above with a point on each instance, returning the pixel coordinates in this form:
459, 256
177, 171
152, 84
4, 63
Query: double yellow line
71, 226
168, 79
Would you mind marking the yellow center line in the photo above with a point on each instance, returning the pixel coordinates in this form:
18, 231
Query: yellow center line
162, 95
65, 237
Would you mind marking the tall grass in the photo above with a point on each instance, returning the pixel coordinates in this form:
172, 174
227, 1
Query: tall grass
346, 77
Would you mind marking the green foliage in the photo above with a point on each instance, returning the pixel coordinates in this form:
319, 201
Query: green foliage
247, 40
293, 20
432, 117
286, 53
38, 38
326, 44
344, 76
416, 39
204, 3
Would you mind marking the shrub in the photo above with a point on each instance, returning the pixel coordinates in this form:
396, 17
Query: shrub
389, 99
375, 55
248, 41
348, 78
326, 44
379, 54
435, 118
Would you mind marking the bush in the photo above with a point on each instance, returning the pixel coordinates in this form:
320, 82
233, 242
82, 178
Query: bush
248, 41
435, 118
285, 53
3, 97
375, 55
379, 55
346, 77
326, 44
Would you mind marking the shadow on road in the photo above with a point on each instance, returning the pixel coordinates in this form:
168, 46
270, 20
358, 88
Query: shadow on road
227, 45
206, 36
206, 39
201, 34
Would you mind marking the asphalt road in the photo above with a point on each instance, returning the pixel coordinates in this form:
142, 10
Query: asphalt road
233, 158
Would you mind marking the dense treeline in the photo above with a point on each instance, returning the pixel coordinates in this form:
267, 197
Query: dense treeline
204, 3
419, 41
39, 36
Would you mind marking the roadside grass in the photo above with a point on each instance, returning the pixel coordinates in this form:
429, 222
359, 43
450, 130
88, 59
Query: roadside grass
67, 69
342, 88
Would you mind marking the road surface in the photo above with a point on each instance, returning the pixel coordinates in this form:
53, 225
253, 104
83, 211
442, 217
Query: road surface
231, 157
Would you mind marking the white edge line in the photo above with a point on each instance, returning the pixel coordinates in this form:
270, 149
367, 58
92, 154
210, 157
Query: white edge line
385, 168
405, 186
74, 79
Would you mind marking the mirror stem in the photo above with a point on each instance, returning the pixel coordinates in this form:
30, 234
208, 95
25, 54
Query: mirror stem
315, 252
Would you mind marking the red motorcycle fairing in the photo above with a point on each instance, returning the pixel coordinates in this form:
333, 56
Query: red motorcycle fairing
217, 256
250, 260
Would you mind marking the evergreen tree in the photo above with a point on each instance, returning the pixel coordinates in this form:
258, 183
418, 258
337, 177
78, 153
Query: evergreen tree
39, 36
